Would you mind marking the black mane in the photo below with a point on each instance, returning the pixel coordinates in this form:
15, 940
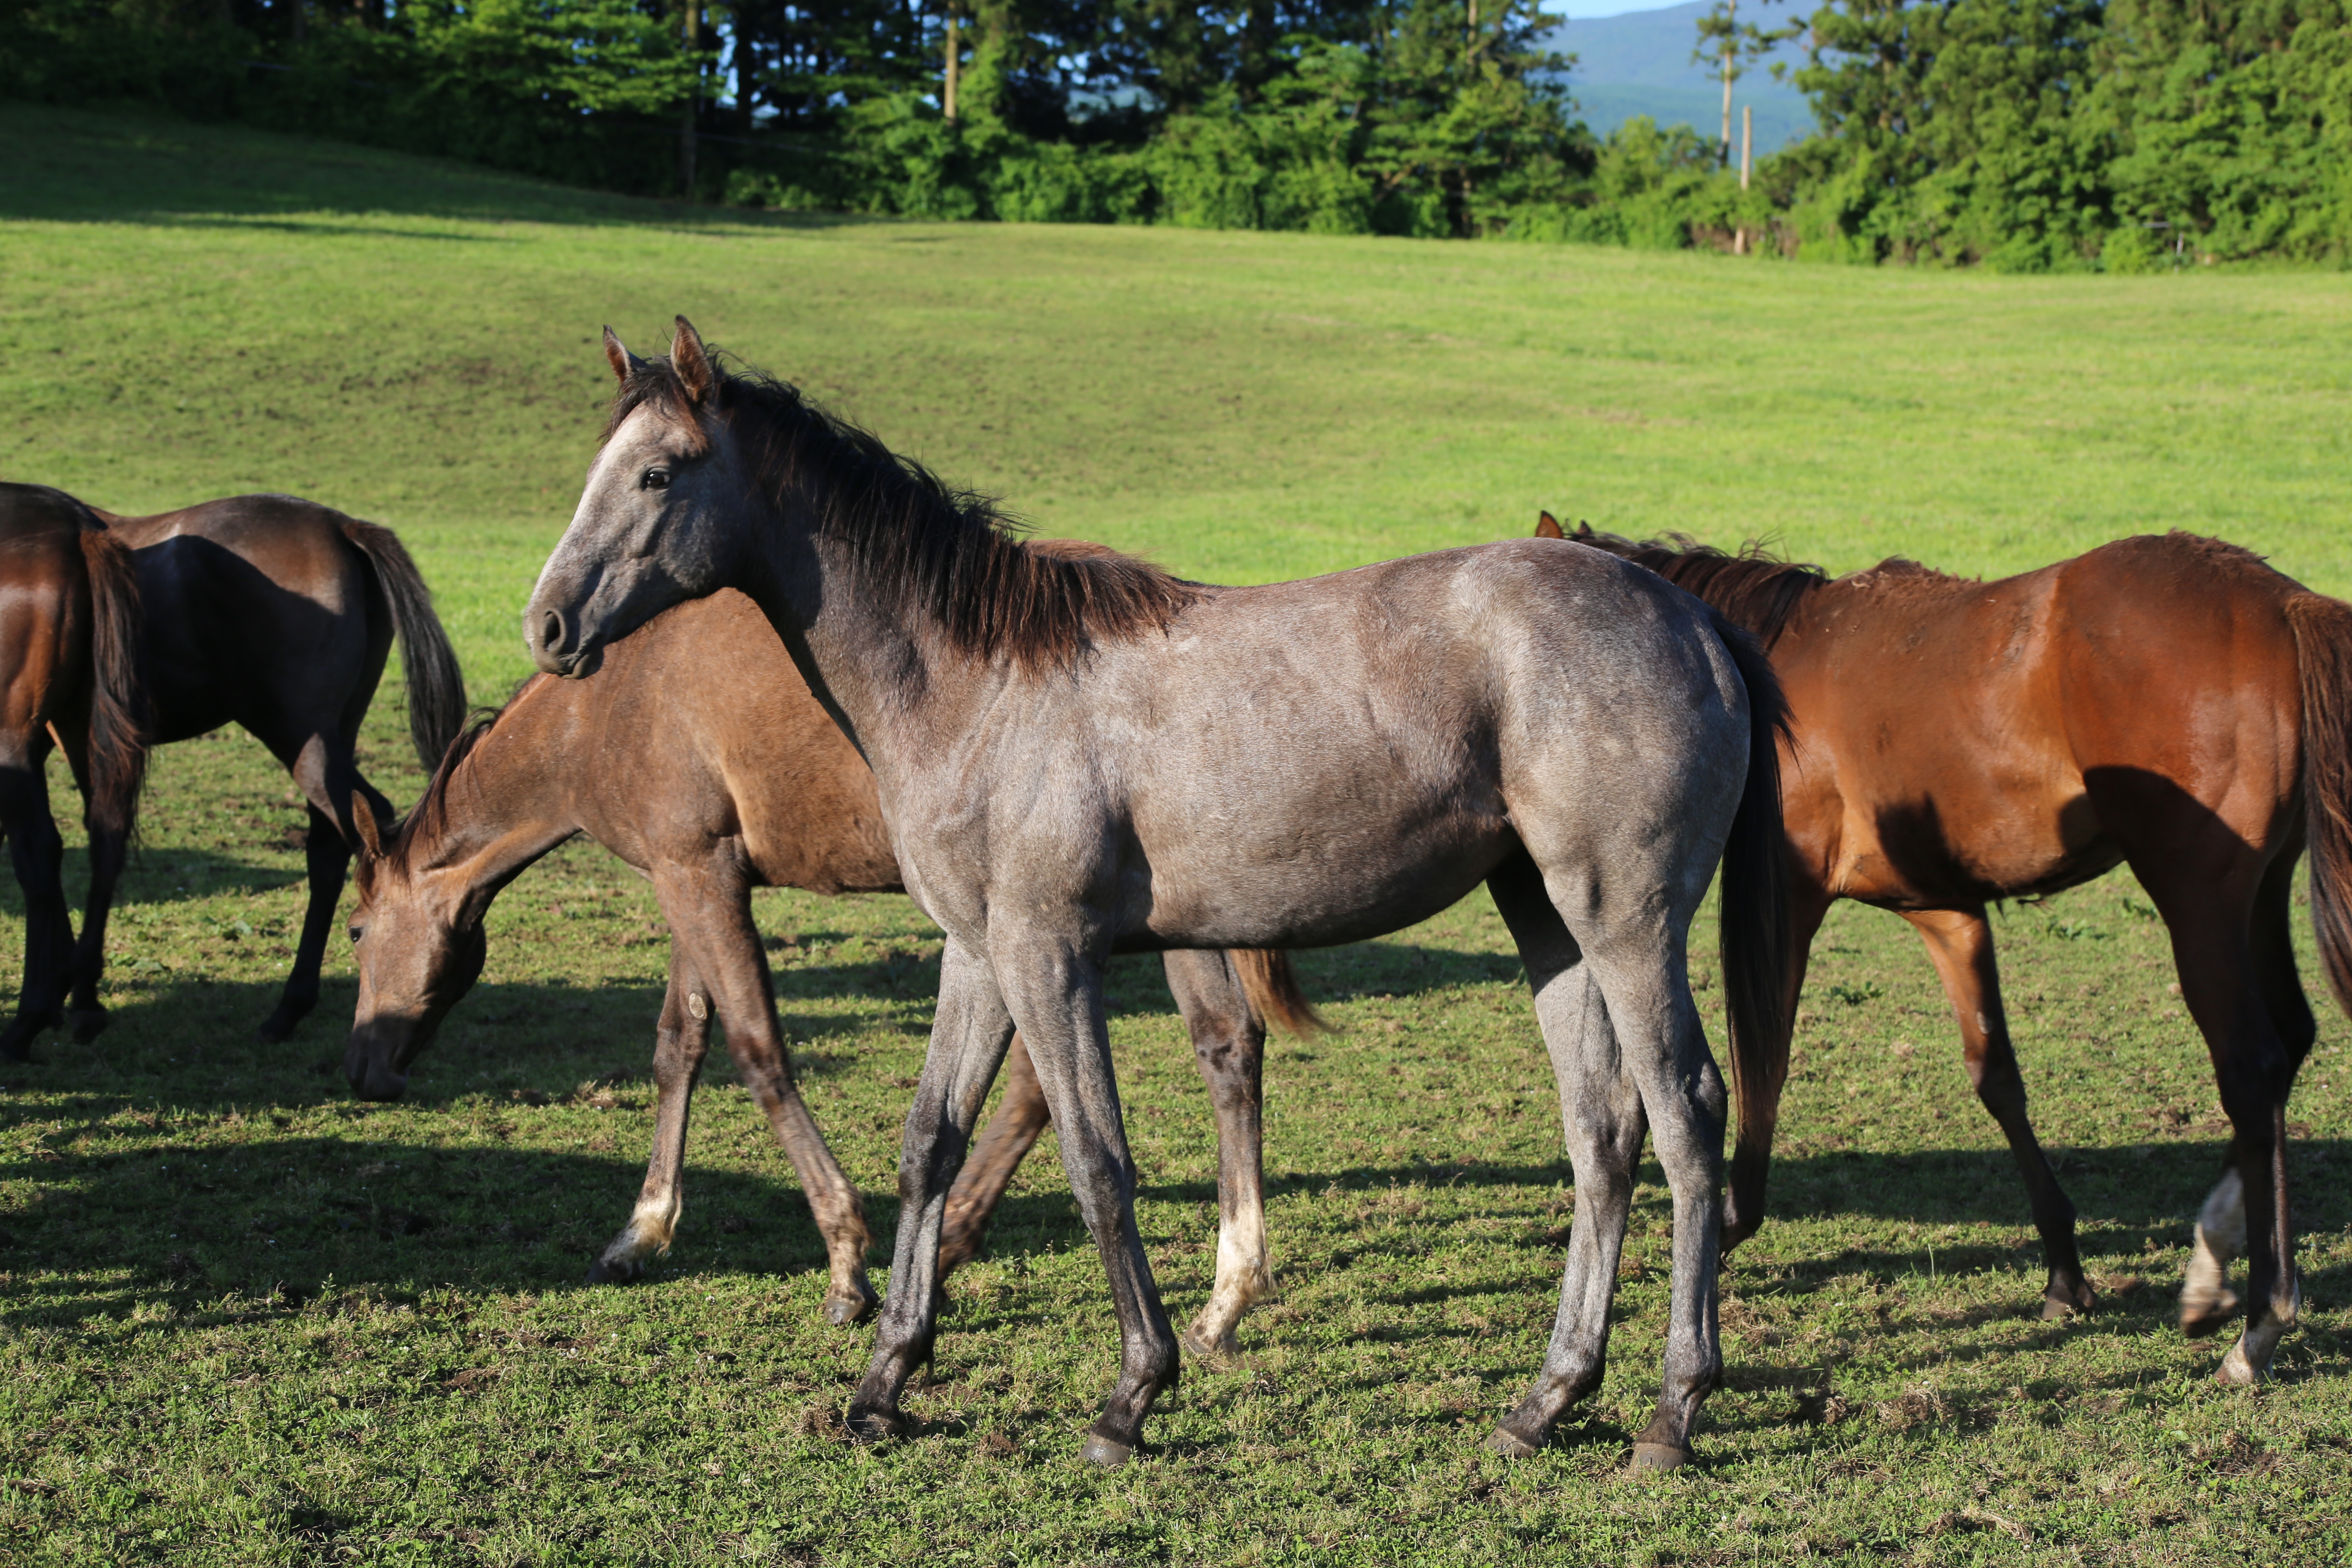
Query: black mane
950, 557
1756, 590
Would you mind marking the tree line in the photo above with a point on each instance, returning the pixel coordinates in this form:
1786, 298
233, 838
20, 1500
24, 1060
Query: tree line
2025, 134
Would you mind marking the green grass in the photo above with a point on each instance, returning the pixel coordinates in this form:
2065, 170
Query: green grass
247, 1320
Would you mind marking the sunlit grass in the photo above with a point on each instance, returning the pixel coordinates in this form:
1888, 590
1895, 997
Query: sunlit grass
248, 1320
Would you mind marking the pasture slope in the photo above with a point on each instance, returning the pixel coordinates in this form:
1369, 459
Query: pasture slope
248, 1320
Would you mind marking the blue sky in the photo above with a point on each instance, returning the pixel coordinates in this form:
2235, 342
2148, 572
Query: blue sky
1575, 9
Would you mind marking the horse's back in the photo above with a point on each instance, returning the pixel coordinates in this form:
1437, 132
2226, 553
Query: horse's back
1400, 729
716, 735
259, 611
1960, 740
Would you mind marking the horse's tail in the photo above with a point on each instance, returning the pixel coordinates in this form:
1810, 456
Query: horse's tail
117, 696
2323, 649
436, 688
1274, 992
1756, 941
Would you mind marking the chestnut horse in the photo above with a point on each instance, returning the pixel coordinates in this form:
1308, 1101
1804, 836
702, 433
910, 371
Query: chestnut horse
278, 613
1082, 757
2171, 703
663, 761
68, 677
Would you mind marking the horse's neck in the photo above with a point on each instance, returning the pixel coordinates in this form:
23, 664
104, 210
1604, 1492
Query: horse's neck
876, 675
509, 803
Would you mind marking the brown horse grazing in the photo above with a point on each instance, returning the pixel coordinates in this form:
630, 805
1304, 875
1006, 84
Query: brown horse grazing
278, 613
2169, 702
69, 676
1083, 757
663, 761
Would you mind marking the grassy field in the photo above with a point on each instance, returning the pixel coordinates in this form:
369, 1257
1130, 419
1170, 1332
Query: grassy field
247, 1320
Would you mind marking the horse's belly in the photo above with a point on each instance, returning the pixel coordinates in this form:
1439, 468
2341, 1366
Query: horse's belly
1316, 895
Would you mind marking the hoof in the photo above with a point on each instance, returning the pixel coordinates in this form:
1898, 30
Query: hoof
1660, 1456
1216, 1353
875, 1426
275, 1030
1510, 1445
610, 1272
2207, 1318
1107, 1452
87, 1024
840, 1310
2237, 1370
16, 1044
2053, 1308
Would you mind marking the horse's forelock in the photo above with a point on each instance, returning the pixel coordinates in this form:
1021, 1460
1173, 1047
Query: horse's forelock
654, 384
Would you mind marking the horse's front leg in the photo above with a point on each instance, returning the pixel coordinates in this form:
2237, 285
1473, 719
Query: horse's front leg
680, 1040
1020, 1120
1055, 991
968, 1037
1961, 944
1229, 1042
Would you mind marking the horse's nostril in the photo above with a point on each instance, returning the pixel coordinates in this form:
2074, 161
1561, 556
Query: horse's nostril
551, 632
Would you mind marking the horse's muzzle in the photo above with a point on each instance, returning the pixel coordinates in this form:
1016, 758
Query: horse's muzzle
369, 1070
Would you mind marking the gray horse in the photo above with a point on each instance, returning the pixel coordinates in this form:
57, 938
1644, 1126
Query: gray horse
1078, 757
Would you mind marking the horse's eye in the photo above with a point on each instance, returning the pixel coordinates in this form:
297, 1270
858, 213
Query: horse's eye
655, 480
355, 936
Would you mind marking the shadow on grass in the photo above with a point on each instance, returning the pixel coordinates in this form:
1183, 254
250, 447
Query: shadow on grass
138, 166
275, 1218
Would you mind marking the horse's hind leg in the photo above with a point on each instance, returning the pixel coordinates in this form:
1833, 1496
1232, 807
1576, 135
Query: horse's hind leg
1229, 1042
1601, 1111
680, 1040
1021, 1119
39, 855
2205, 1300
109, 849
2214, 945
1961, 944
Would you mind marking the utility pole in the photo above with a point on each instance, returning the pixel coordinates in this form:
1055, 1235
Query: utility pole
685, 131
1730, 51
1746, 146
955, 65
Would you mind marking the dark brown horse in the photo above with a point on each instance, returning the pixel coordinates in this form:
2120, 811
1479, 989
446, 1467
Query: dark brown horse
2171, 703
663, 761
68, 677
278, 614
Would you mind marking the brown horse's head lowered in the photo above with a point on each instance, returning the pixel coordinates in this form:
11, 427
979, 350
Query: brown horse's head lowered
419, 929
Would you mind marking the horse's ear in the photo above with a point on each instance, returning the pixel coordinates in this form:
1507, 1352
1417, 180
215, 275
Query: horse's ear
364, 819
692, 365
1548, 526
1583, 530
622, 361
